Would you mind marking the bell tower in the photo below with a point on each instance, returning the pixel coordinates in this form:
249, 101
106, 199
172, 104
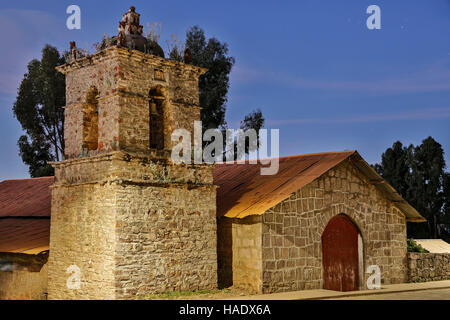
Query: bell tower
125, 217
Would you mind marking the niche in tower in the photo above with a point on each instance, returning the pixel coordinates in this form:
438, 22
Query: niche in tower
90, 120
156, 110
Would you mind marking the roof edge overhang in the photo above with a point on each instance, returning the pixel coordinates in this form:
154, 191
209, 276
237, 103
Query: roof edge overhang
355, 159
411, 214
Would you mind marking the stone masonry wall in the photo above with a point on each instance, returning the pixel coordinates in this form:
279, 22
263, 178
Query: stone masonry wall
24, 279
134, 225
247, 253
424, 267
166, 232
166, 239
124, 79
101, 72
130, 219
292, 230
82, 234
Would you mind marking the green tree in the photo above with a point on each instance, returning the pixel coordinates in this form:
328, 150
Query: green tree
39, 109
395, 168
426, 190
213, 85
255, 121
446, 217
418, 174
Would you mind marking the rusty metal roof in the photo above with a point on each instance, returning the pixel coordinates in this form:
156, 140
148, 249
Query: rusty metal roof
25, 207
29, 236
243, 191
26, 198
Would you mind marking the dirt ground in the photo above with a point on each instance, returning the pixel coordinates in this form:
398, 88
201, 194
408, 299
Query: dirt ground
199, 295
438, 294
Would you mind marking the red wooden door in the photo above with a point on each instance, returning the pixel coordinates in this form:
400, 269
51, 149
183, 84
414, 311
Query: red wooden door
340, 255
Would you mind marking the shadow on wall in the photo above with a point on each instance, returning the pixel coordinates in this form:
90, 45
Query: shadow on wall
23, 276
224, 252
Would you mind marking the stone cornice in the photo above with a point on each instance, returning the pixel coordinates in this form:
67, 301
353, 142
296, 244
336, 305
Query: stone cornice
115, 52
125, 93
137, 182
128, 156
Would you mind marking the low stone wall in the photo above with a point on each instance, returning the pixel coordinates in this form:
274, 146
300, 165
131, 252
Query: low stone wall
424, 267
23, 277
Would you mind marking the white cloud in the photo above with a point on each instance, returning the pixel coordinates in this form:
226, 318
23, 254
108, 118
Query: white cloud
418, 114
428, 78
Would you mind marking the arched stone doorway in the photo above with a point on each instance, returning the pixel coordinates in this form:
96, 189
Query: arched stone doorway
341, 255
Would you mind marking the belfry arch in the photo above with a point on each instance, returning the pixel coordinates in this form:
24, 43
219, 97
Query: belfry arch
90, 120
157, 103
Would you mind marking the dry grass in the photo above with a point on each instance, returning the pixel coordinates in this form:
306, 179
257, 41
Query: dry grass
196, 295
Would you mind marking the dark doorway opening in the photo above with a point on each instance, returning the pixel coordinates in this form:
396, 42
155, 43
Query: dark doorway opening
156, 111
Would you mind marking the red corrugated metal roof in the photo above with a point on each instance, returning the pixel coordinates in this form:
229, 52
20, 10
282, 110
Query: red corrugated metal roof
26, 198
25, 207
243, 191
29, 236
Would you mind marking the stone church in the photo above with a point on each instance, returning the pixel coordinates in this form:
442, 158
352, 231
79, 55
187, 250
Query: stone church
133, 222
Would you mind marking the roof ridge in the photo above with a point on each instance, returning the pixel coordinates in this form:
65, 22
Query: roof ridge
28, 179
24, 217
350, 152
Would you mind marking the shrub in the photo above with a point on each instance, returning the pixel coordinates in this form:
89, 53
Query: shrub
413, 246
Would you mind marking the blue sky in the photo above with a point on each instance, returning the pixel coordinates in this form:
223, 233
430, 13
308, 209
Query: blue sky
316, 71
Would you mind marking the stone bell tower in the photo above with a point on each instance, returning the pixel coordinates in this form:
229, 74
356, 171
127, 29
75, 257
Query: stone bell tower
125, 219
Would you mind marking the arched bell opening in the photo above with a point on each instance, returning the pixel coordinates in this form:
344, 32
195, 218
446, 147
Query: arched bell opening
157, 101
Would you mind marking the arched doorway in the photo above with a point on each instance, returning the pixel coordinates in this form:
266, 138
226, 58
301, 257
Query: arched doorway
341, 255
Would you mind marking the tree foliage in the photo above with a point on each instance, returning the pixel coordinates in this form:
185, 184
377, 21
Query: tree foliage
418, 174
213, 85
252, 121
39, 109
413, 246
447, 198
394, 167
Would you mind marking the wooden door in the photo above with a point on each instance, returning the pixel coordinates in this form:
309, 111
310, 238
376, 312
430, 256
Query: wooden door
340, 255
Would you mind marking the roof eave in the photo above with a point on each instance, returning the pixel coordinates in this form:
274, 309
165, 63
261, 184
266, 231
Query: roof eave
411, 214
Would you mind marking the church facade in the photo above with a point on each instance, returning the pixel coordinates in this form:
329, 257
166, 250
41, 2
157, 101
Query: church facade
326, 221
